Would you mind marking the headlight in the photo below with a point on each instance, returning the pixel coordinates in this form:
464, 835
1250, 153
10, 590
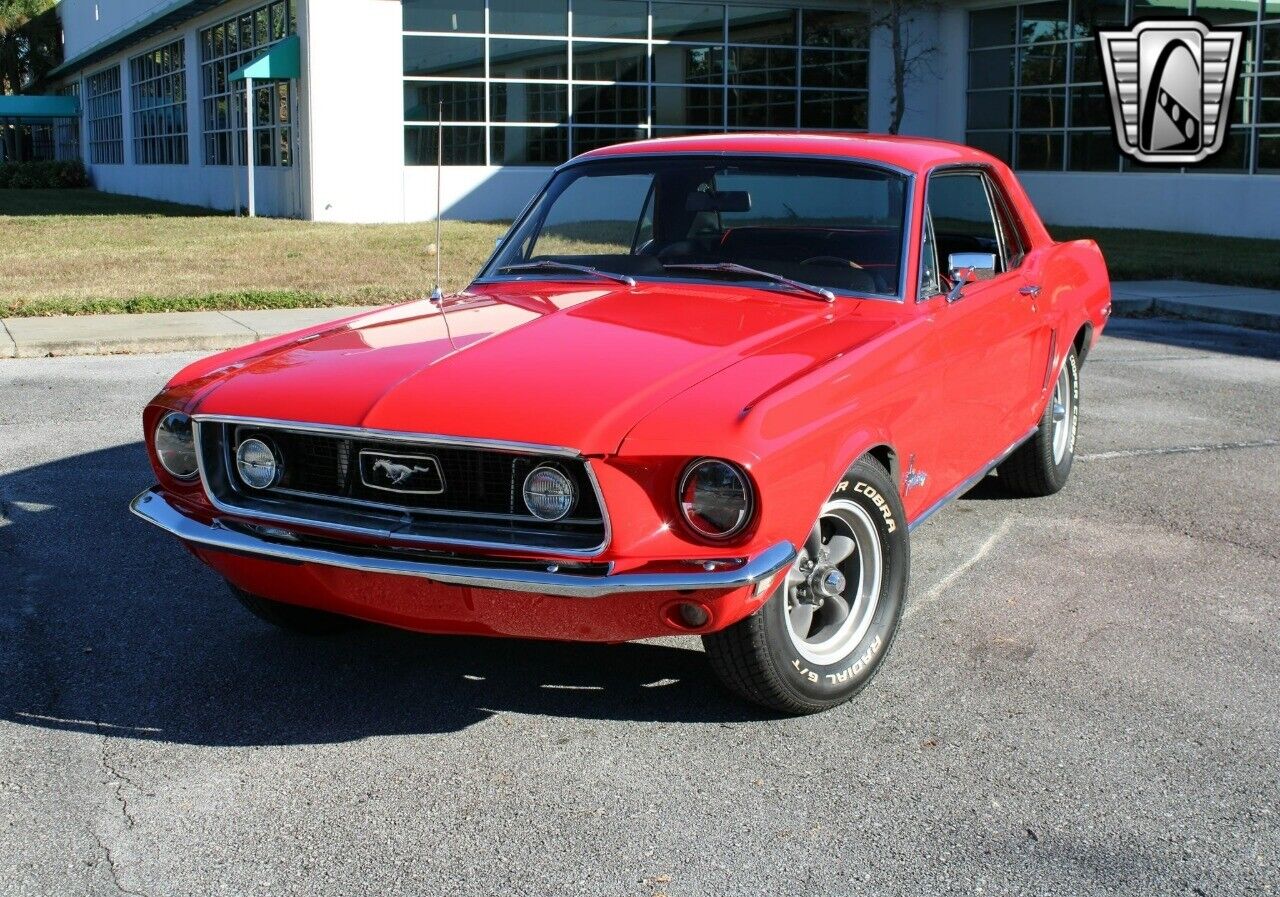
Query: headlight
715, 498
176, 445
548, 493
257, 464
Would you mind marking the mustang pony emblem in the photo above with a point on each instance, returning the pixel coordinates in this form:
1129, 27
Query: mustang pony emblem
398, 473
415, 474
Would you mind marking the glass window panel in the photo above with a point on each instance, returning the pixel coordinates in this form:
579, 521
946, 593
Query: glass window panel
1043, 22
991, 68
688, 65
609, 62
529, 60
1090, 107
833, 68
612, 105
993, 27
762, 108
961, 213
833, 109
1044, 64
1086, 66
443, 15
528, 17
462, 100
1092, 151
762, 66
1243, 100
1145, 9
451, 57
529, 102
610, 18
1270, 57
1269, 150
688, 106
687, 21
991, 109
529, 146
761, 25
1234, 155
1042, 108
1269, 100
1226, 12
1088, 15
1040, 152
463, 145
587, 139
996, 143
835, 28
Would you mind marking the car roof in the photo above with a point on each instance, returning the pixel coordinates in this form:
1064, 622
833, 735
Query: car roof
915, 154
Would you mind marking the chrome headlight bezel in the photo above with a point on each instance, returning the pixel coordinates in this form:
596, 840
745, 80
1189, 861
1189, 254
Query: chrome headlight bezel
174, 443
686, 500
540, 476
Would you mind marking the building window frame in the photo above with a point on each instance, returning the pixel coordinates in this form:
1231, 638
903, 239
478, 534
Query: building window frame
597, 109
158, 103
105, 115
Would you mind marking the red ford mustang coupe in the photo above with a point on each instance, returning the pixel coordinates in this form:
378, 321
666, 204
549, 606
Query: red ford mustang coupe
704, 385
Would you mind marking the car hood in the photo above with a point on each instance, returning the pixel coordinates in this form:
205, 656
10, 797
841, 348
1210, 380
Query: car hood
566, 365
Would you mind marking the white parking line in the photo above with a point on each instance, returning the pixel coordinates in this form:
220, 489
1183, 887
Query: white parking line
945, 583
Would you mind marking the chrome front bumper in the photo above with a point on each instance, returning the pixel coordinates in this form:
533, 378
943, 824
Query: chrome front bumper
152, 507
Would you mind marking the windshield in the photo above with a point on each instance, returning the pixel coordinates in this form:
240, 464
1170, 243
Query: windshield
830, 224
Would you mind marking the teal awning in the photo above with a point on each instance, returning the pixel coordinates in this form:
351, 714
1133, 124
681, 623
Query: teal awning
280, 61
38, 108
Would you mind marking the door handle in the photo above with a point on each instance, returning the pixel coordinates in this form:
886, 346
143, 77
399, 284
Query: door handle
1031, 289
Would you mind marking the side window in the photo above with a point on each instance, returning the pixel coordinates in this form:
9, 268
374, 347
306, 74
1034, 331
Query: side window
930, 285
1010, 235
962, 218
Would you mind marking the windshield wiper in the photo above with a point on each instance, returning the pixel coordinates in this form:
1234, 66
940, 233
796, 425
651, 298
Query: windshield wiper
734, 268
549, 265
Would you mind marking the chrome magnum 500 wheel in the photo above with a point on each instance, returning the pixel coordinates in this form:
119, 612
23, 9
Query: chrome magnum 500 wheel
1042, 464
828, 626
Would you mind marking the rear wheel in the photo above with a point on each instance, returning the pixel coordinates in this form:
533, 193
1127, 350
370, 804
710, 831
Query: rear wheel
1041, 465
824, 632
292, 617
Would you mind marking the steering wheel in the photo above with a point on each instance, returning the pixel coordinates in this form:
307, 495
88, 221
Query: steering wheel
832, 261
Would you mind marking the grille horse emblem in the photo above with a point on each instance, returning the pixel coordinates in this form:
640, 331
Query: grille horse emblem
411, 474
398, 473
1170, 82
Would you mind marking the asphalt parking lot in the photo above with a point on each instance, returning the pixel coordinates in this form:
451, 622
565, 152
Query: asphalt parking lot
1084, 697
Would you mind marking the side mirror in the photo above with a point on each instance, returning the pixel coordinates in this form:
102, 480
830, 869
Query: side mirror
969, 267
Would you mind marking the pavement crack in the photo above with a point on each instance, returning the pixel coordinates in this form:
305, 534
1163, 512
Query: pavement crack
113, 869
1178, 450
120, 780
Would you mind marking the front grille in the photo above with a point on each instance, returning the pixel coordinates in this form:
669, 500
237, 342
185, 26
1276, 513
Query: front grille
460, 494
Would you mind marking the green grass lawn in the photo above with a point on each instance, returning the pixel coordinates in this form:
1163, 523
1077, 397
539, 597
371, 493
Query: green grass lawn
85, 252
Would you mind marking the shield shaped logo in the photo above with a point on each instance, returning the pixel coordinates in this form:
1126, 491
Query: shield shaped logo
1170, 82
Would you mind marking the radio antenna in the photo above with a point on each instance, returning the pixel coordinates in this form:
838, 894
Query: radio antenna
437, 292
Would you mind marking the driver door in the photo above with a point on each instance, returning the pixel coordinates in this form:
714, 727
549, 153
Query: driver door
986, 331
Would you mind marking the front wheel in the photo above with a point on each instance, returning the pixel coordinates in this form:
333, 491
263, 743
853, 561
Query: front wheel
824, 632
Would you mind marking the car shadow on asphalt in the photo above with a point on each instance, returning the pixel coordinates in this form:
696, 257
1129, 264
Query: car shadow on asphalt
108, 625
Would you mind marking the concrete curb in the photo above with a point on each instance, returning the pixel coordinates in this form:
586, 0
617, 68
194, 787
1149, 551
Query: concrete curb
201, 331
1211, 303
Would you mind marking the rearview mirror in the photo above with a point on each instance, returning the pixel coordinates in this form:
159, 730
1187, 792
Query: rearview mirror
723, 201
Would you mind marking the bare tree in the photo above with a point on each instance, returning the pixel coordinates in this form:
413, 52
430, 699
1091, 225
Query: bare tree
912, 55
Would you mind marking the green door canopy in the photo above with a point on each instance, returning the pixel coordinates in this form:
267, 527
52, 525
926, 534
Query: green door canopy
280, 61
38, 109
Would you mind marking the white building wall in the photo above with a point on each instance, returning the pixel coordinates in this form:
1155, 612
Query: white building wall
353, 68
